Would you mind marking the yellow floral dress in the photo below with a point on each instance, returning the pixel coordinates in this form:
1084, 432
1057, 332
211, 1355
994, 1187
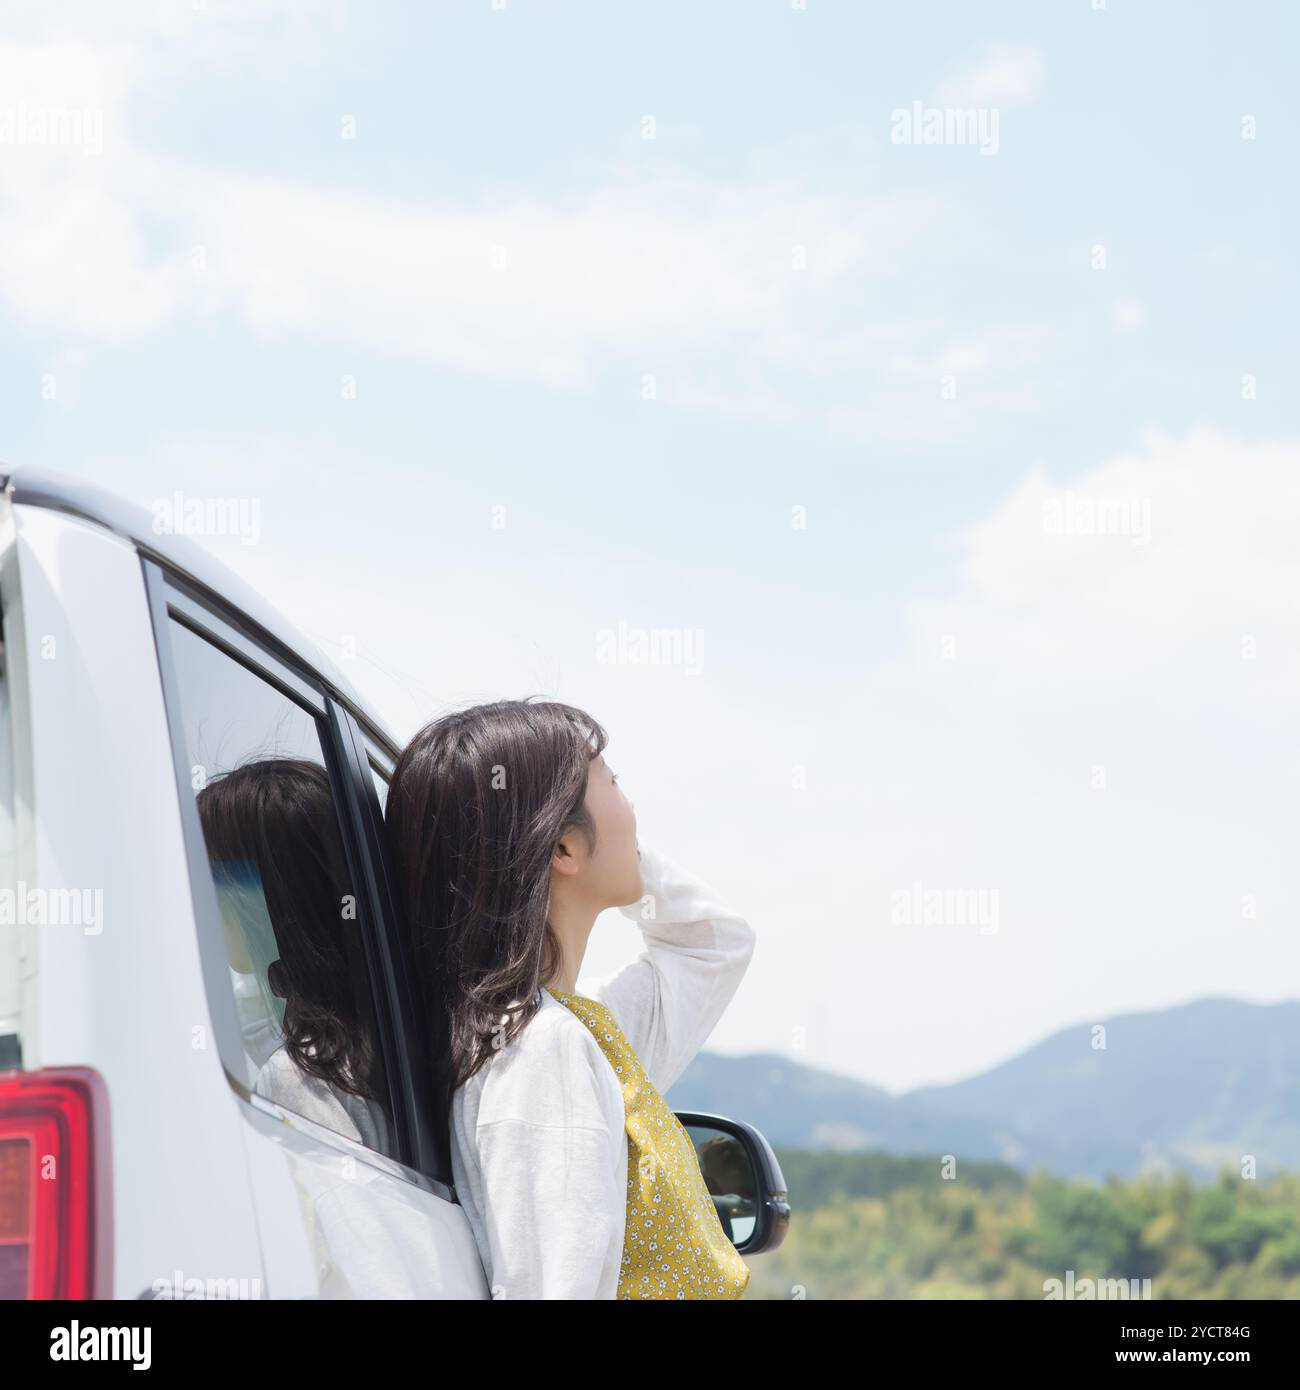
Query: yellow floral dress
673, 1243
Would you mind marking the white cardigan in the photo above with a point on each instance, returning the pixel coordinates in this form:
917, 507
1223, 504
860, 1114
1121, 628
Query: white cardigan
538, 1137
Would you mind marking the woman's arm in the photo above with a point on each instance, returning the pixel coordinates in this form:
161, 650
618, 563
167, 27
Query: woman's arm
671, 997
554, 1178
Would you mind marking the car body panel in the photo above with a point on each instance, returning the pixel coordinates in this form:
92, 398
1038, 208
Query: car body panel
209, 1184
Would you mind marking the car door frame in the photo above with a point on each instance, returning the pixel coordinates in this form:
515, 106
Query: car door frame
421, 1142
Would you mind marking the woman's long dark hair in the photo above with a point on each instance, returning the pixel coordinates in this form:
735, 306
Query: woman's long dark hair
478, 801
275, 818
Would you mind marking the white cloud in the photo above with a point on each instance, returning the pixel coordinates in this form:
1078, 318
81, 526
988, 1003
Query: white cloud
1008, 347
527, 289
726, 292
1102, 750
179, 38
1127, 315
1005, 75
1156, 564
74, 253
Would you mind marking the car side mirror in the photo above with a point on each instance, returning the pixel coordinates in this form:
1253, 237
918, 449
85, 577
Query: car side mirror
744, 1178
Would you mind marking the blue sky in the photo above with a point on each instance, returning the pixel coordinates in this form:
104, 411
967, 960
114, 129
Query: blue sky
593, 375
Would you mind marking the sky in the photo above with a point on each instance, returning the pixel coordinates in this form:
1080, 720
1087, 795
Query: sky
955, 483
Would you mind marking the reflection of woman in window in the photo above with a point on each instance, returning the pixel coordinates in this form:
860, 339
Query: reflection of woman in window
510, 835
287, 903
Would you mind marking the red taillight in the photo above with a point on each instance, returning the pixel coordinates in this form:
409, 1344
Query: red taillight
55, 1198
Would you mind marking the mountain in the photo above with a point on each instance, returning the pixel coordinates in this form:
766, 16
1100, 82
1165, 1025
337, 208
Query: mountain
1186, 1089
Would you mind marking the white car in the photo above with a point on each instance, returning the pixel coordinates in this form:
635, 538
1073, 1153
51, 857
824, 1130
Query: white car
157, 1137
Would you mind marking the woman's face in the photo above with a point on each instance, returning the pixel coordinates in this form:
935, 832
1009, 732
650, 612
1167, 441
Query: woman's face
613, 871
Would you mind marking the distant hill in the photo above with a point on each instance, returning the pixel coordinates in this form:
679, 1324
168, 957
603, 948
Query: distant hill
1185, 1089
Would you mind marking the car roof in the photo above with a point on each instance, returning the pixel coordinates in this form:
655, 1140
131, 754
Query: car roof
39, 487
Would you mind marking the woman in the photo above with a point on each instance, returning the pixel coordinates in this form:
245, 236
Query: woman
510, 836
282, 884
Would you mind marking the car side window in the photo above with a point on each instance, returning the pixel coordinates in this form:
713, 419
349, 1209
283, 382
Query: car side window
380, 777
292, 918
